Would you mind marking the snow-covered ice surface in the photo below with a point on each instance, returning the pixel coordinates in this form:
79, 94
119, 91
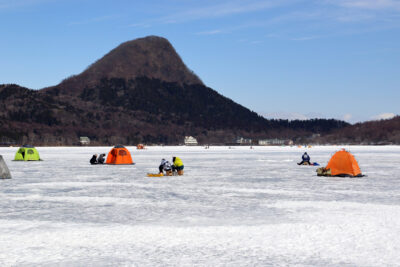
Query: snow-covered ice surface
233, 207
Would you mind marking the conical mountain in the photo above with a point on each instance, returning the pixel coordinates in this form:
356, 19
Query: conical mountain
152, 57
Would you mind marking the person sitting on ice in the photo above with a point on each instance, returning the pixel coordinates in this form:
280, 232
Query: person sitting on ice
93, 160
165, 166
305, 159
101, 159
177, 165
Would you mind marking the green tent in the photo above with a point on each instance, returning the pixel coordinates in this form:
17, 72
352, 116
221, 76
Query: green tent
27, 153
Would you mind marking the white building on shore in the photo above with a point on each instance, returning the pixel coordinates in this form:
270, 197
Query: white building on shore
243, 141
190, 141
84, 140
271, 142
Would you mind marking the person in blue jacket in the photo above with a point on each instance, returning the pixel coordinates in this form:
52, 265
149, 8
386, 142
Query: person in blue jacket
305, 159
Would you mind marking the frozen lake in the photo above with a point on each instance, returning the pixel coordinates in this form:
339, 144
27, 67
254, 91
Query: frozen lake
235, 207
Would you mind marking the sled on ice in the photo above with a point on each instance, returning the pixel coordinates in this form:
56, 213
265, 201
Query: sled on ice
155, 175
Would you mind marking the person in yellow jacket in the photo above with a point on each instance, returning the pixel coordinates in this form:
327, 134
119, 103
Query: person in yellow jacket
177, 165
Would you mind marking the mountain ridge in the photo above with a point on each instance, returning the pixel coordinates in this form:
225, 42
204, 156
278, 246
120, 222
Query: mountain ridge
141, 91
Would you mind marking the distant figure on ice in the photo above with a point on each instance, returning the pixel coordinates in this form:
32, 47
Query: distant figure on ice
93, 160
305, 159
177, 165
101, 159
165, 166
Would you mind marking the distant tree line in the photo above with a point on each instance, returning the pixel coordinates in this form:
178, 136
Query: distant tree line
145, 110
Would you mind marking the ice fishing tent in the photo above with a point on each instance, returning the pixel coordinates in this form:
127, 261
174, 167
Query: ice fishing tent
27, 153
342, 163
119, 155
4, 171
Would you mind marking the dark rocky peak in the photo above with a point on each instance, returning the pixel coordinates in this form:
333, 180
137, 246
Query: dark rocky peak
153, 57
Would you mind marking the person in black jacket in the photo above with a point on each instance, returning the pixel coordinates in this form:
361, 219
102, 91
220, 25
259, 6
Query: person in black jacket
305, 159
93, 160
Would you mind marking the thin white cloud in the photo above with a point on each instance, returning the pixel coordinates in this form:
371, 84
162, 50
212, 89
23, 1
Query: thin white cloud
300, 15
305, 38
320, 19
373, 11
93, 20
383, 116
368, 4
212, 32
355, 17
140, 25
347, 117
4, 4
325, 14
344, 11
226, 8
219, 9
272, 35
297, 38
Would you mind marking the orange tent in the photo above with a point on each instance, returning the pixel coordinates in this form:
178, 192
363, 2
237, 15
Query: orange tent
343, 163
119, 155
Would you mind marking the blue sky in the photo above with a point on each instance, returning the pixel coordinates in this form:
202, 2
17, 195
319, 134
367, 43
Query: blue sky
287, 58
